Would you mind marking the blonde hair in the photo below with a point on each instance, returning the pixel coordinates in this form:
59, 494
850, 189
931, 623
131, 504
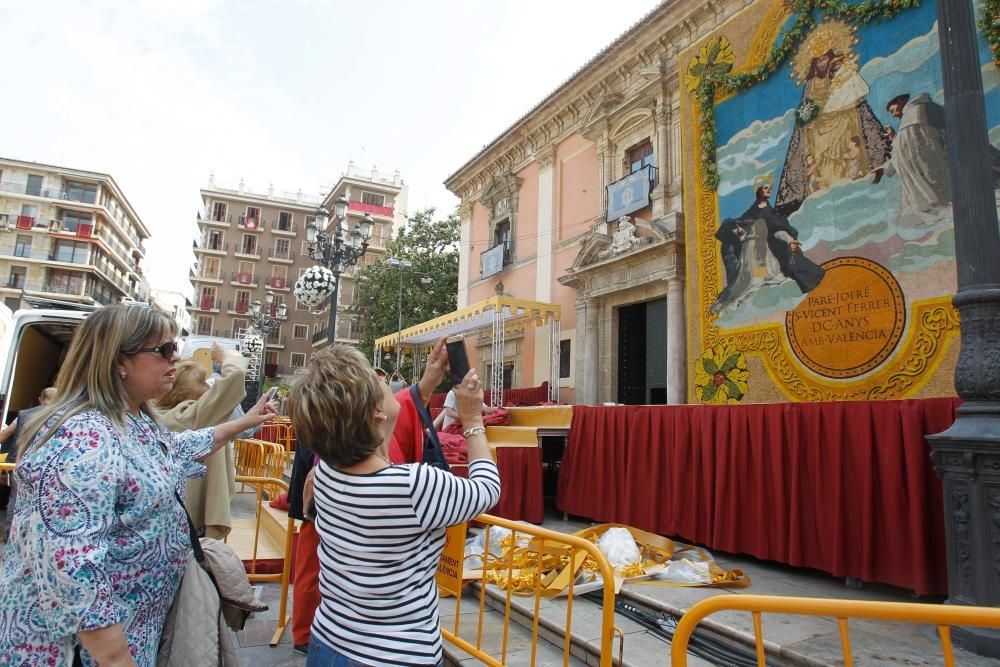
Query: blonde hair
189, 384
88, 378
332, 405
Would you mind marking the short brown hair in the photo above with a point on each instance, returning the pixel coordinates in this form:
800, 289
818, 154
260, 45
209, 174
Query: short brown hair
332, 404
189, 385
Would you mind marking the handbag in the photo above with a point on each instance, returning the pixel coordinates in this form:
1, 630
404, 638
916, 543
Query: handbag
433, 454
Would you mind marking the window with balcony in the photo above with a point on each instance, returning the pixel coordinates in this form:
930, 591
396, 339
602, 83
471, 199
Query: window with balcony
279, 277
284, 221
207, 298
204, 327
83, 192
239, 325
18, 275
283, 248
70, 251
211, 268
219, 211
72, 220
252, 218
300, 331
249, 245
65, 282
640, 156
22, 247
242, 301
34, 187
372, 198
501, 236
214, 240
298, 359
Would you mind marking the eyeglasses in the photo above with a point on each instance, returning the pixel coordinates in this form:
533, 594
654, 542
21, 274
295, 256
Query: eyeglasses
166, 350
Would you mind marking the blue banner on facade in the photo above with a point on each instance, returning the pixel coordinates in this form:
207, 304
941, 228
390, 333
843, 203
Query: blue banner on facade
629, 194
493, 260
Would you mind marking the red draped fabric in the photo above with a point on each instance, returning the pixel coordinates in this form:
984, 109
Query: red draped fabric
516, 397
520, 484
847, 488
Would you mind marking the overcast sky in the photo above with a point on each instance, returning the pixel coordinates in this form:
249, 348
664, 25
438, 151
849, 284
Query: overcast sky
161, 93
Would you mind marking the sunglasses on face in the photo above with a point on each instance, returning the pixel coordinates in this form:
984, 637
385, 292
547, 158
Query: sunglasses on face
166, 350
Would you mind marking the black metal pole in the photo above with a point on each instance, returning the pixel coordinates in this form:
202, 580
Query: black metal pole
263, 366
967, 455
331, 332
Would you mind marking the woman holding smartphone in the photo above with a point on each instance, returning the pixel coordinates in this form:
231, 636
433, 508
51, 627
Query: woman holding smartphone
381, 526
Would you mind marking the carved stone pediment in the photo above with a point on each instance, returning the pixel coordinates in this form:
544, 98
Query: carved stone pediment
500, 187
591, 249
623, 240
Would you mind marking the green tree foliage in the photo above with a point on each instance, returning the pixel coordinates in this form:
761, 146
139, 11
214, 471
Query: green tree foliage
431, 246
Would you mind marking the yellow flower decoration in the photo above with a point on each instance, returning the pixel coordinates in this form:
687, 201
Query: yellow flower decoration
716, 56
721, 375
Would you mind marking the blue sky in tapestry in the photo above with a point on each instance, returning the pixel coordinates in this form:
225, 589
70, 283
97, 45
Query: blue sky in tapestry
856, 217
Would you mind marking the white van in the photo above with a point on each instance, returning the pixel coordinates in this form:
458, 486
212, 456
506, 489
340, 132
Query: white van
33, 344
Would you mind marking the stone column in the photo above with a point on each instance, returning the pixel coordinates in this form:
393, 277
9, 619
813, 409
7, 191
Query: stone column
967, 455
676, 342
663, 158
589, 353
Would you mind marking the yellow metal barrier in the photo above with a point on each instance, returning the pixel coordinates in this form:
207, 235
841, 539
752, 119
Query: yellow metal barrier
260, 483
545, 543
942, 616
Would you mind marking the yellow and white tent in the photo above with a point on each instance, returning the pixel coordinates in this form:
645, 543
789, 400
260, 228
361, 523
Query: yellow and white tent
502, 315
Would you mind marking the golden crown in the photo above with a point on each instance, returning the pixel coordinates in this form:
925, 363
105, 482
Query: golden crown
761, 181
836, 36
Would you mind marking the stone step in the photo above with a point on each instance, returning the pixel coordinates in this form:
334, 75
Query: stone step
519, 645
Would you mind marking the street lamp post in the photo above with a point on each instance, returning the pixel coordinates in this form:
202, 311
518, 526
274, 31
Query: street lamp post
265, 322
337, 249
967, 455
403, 265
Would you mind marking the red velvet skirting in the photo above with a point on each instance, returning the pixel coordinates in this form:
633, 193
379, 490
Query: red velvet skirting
847, 488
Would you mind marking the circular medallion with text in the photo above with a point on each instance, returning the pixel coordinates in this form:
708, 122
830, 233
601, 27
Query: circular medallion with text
851, 322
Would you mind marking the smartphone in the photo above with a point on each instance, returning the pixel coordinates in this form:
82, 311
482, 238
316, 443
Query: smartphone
270, 394
458, 361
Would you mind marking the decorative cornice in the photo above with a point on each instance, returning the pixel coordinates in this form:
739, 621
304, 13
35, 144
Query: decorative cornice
622, 70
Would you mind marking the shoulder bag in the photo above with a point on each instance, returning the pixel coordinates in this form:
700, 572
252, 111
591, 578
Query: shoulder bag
433, 455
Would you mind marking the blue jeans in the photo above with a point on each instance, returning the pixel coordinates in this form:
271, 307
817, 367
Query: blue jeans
321, 655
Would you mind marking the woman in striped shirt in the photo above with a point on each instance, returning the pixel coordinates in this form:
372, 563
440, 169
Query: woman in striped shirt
381, 526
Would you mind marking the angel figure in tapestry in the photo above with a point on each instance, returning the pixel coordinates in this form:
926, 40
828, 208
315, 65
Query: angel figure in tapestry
837, 136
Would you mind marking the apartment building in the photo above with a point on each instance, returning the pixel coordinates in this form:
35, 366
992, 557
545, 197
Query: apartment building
384, 198
252, 242
67, 234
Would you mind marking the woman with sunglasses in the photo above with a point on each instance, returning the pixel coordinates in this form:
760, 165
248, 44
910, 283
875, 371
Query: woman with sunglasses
99, 538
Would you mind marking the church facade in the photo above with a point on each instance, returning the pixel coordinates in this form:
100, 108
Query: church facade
733, 202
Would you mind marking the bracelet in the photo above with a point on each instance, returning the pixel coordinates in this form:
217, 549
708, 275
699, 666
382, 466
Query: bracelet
475, 430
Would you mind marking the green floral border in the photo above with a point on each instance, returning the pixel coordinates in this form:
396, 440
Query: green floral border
989, 23
714, 81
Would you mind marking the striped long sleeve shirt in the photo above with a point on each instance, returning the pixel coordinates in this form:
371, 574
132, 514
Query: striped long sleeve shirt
381, 536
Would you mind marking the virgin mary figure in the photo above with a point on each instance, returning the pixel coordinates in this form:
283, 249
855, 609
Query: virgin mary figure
837, 136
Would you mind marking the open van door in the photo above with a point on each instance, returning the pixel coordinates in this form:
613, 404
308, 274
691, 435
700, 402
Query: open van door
33, 347
6, 333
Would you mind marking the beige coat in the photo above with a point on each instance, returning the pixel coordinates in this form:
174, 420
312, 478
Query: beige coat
208, 499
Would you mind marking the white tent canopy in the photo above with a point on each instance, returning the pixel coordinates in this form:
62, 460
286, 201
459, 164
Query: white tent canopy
502, 315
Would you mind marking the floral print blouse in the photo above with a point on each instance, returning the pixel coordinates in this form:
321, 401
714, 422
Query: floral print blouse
97, 538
